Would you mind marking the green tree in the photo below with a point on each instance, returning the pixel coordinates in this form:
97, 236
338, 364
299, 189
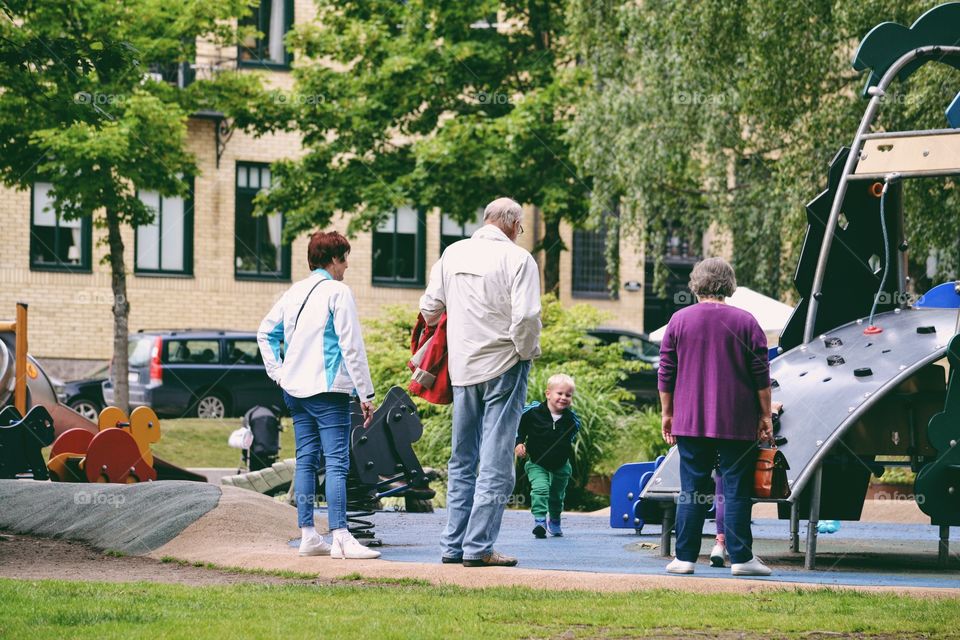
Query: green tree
435, 104
729, 113
81, 107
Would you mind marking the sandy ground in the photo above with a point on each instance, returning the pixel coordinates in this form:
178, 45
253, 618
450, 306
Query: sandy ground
31, 558
247, 530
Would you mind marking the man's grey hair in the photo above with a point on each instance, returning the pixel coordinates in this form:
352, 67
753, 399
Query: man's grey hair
713, 278
503, 212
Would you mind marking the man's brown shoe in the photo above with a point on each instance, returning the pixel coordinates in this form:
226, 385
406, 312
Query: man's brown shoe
492, 559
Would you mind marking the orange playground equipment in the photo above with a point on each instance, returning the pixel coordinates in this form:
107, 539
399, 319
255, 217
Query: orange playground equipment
115, 449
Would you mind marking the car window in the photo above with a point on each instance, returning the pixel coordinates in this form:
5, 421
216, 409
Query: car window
243, 352
193, 351
639, 349
138, 351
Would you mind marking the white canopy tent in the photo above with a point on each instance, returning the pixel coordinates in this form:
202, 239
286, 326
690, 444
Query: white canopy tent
772, 315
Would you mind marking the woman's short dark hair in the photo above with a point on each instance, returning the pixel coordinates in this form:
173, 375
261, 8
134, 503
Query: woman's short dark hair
713, 278
324, 247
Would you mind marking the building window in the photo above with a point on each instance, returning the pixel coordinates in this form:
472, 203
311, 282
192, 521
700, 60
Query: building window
272, 19
259, 252
56, 244
165, 246
451, 231
589, 257
399, 252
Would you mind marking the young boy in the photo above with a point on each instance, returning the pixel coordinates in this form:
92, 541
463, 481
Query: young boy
546, 434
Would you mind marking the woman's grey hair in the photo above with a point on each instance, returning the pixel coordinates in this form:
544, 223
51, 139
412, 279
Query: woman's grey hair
713, 278
503, 212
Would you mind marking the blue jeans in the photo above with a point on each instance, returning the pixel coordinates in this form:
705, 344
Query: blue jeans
737, 461
321, 425
481, 474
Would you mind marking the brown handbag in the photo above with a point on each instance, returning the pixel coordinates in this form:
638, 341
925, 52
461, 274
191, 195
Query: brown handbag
770, 477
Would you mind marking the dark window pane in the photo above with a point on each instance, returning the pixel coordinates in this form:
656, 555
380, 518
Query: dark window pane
590, 277
44, 245
382, 255
398, 246
406, 257
446, 241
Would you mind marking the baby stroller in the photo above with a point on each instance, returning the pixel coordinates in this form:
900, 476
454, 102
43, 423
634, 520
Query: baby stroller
258, 438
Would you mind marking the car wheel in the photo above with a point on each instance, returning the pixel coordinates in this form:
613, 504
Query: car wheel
89, 409
211, 406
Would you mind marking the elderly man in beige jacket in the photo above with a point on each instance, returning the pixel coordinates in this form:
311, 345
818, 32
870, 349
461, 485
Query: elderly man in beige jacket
490, 290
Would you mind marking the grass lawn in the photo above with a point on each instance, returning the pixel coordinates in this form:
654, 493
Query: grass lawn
192, 442
384, 610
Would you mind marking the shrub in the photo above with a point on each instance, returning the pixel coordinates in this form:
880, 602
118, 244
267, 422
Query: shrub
566, 348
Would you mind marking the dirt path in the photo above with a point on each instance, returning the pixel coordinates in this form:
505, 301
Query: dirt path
30, 558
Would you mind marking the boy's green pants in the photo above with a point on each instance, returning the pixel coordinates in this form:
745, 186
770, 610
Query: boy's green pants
547, 489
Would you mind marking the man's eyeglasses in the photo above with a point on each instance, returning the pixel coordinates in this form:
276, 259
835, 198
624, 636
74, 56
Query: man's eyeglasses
520, 226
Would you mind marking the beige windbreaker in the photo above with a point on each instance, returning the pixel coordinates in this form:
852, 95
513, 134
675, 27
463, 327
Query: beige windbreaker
490, 289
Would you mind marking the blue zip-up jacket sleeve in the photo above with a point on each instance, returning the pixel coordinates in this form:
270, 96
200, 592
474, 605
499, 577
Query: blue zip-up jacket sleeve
270, 340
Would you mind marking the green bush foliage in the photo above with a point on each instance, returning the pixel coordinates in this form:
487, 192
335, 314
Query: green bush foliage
603, 406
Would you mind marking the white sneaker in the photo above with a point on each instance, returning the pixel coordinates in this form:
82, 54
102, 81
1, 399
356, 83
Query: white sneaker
347, 547
717, 555
753, 568
314, 547
679, 566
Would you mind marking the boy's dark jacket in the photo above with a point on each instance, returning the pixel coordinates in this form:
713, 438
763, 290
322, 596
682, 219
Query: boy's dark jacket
548, 444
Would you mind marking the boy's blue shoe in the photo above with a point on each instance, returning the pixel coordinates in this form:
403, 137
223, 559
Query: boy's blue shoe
540, 528
553, 526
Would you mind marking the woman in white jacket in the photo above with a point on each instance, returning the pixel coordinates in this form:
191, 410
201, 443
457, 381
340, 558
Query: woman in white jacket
312, 346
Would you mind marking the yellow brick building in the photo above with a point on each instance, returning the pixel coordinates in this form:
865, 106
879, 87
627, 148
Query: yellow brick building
205, 263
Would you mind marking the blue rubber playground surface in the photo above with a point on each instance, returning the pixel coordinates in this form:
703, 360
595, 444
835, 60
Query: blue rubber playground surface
860, 554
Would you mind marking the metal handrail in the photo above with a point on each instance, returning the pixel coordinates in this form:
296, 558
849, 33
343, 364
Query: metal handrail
877, 93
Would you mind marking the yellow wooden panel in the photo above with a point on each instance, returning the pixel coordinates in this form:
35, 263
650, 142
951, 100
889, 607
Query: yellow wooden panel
936, 152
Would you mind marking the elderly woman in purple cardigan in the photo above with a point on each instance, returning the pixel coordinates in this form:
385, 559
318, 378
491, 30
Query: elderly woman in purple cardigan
714, 383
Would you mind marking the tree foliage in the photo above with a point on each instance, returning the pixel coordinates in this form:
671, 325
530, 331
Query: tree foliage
82, 106
432, 104
729, 113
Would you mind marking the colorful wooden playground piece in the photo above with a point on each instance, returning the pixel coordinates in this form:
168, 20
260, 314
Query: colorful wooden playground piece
119, 452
